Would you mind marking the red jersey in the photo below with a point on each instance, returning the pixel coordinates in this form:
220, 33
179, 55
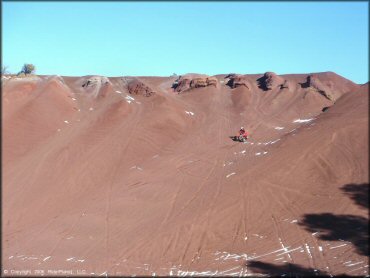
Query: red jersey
242, 132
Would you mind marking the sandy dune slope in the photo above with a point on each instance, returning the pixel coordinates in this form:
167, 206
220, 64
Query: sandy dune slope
102, 177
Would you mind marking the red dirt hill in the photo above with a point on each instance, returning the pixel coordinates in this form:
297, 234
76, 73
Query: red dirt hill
98, 176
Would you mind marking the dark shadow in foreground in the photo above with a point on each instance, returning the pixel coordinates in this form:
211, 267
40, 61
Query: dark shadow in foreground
290, 270
286, 270
331, 227
359, 193
340, 227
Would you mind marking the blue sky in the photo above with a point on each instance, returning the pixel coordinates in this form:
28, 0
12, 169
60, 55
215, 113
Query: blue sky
161, 38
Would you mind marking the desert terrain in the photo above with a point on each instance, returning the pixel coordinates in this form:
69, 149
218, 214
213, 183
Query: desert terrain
105, 176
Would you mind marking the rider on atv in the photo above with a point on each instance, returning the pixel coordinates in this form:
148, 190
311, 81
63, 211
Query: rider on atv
243, 135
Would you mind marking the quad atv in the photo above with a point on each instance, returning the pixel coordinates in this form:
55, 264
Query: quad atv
240, 138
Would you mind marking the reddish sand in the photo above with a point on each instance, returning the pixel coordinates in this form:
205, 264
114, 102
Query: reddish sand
99, 181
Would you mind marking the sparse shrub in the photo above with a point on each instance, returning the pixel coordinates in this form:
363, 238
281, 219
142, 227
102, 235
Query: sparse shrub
27, 69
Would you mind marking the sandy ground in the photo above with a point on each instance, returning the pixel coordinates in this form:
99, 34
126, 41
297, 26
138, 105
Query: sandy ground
97, 181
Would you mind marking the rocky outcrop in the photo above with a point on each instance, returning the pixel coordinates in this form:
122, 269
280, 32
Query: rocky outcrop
203, 82
198, 82
314, 83
95, 86
236, 81
95, 81
212, 81
181, 84
270, 80
185, 83
137, 87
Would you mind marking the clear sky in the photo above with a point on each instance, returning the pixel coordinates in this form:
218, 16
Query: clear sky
161, 38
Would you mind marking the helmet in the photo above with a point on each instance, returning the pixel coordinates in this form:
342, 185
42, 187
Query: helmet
242, 128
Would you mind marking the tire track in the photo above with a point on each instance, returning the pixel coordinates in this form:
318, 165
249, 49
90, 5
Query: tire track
196, 194
211, 206
210, 210
109, 190
278, 234
173, 202
203, 183
74, 224
114, 176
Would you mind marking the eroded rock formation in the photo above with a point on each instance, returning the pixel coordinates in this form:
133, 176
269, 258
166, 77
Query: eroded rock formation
95, 81
236, 81
314, 83
137, 87
270, 80
185, 83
